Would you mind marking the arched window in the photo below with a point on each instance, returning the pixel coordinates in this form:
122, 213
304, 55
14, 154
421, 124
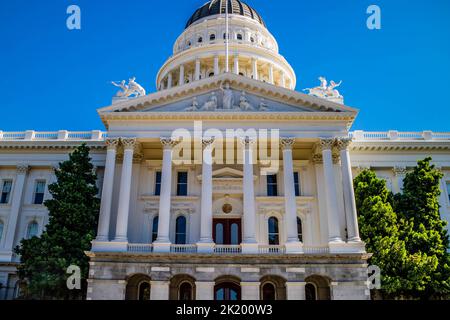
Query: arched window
180, 232
211, 74
155, 228
200, 40
185, 292
299, 229
239, 36
234, 234
227, 291
268, 292
212, 37
219, 233
144, 291
310, 292
2, 225
32, 229
274, 236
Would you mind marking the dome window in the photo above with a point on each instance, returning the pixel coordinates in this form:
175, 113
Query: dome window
200, 40
212, 37
239, 36
252, 40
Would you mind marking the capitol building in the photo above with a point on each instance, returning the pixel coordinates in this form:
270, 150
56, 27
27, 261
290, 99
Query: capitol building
225, 184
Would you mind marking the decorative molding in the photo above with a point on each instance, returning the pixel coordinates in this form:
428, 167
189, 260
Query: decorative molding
169, 142
343, 143
247, 141
287, 143
399, 171
326, 144
128, 143
112, 143
207, 142
22, 169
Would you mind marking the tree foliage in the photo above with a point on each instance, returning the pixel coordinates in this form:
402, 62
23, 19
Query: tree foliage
73, 214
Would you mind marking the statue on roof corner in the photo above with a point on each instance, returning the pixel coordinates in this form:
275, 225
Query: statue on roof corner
325, 91
128, 91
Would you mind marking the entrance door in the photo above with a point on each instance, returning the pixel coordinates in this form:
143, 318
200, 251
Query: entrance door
227, 231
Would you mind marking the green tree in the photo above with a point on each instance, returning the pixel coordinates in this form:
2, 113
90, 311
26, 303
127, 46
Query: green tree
379, 229
425, 232
73, 214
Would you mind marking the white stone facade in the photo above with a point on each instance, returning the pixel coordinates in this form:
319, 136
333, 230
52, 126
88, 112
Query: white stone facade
225, 229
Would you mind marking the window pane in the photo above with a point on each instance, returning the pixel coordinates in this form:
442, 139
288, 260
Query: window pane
39, 192
1, 229
40, 187
219, 233
233, 295
186, 292
6, 191
182, 177
299, 229
7, 184
297, 184
234, 234
180, 231
272, 188
158, 183
182, 184
32, 230
155, 228
144, 291
448, 190
268, 292
273, 232
220, 294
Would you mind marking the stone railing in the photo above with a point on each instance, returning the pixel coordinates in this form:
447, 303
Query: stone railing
401, 136
183, 248
316, 250
140, 248
227, 249
61, 135
268, 249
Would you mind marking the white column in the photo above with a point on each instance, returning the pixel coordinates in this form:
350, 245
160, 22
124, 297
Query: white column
330, 191
293, 244
16, 204
216, 65
125, 190
249, 244
250, 290
349, 194
206, 243
169, 80
181, 80
159, 290
107, 191
162, 243
295, 290
255, 68
197, 69
204, 290
399, 175
283, 79
271, 73
236, 64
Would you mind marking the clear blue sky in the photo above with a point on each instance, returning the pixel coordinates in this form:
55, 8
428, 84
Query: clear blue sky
52, 78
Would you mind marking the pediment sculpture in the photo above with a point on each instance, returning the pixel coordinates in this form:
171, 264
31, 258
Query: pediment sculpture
128, 91
325, 91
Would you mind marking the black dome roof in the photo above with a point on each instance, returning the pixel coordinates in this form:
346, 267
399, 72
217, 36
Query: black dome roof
214, 7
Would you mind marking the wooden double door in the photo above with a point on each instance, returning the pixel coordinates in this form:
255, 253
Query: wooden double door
227, 231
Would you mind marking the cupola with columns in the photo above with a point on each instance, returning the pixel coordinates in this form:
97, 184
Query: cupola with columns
200, 51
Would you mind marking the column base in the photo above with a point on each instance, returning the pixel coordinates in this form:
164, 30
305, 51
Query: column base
347, 247
161, 247
205, 247
294, 247
250, 248
109, 246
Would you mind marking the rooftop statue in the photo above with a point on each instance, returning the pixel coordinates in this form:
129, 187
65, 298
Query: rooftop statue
326, 91
130, 90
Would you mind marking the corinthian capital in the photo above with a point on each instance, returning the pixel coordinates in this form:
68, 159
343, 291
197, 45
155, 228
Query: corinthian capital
169, 142
22, 169
326, 144
287, 143
112, 143
343, 143
399, 170
206, 142
247, 141
128, 143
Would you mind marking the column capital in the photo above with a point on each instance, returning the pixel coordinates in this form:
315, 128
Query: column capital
326, 144
169, 142
343, 143
112, 143
207, 142
399, 170
247, 141
22, 169
128, 143
287, 143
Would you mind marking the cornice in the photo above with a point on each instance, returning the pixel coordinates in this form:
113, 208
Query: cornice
41, 145
400, 146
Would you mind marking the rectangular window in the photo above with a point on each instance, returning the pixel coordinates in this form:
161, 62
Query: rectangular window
6, 191
158, 183
448, 190
272, 187
182, 184
39, 191
297, 184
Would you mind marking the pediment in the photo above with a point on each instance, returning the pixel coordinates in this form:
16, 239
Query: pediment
227, 93
226, 173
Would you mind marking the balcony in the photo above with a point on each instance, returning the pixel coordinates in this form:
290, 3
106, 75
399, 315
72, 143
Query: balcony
141, 248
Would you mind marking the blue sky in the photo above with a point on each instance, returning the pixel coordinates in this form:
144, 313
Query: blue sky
52, 78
